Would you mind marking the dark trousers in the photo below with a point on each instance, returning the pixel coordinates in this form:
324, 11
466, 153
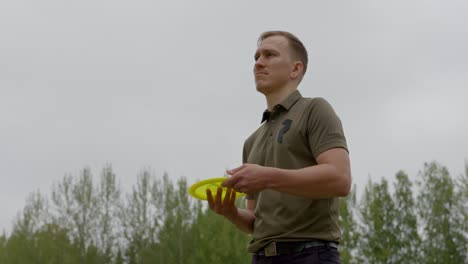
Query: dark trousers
312, 255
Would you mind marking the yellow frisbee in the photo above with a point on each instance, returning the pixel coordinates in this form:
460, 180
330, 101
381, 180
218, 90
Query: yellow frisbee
198, 190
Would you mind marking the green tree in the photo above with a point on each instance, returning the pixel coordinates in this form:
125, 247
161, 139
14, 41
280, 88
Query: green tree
76, 207
443, 241
378, 226
462, 194
3, 242
407, 241
35, 214
35, 240
173, 236
51, 244
119, 259
350, 234
216, 240
137, 216
109, 204
20, 246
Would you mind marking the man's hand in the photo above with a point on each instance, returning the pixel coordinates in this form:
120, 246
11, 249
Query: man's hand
243, 219
248, 178
226, 207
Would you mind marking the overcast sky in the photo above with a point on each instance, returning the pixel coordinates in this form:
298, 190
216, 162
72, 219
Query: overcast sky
168, 85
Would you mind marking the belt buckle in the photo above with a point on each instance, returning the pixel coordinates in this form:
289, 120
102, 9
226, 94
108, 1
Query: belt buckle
270, 249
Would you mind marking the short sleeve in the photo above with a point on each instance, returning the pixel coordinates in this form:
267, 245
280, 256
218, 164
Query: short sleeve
325, 130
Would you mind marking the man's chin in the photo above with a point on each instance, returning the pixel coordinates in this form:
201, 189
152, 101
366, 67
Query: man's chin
262, 89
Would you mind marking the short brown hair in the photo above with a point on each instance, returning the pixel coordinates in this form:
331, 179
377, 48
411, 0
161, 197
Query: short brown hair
298, 49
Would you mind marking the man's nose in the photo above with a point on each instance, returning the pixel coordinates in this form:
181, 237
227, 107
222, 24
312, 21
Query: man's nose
259, 63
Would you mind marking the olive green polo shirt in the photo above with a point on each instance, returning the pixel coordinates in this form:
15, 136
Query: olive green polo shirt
291, 137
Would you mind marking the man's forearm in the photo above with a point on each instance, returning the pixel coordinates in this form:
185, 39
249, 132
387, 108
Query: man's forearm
317, 182
244, 220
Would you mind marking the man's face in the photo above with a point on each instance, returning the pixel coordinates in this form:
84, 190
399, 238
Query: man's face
273, 64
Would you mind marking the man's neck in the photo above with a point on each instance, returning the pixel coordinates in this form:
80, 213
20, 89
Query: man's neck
278, 96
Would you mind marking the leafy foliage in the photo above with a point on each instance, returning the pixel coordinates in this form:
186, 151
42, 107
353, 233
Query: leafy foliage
157, 222
441, 212
378, 227
350, 235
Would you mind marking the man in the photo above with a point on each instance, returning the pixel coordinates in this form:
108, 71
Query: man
295, 165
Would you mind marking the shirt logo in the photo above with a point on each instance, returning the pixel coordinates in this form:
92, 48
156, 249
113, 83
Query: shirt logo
286, 125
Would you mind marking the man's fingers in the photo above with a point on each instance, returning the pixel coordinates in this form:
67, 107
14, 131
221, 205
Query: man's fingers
210, 199
235, 170
219, 193
227, 197
222, 205
230, 182
233, 197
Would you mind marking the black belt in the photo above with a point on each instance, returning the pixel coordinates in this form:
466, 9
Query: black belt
280, 248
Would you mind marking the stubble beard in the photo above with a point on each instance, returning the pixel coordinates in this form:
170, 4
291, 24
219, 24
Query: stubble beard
263, 89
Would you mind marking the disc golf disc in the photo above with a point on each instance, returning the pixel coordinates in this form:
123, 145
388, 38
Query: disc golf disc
198, 190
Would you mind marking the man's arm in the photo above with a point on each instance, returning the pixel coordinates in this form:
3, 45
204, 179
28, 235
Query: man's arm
331, 177
243, 219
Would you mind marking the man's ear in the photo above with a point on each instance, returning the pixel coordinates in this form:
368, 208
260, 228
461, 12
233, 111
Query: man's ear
298, 69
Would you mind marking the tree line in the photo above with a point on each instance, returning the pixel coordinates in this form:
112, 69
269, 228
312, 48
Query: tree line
86, 220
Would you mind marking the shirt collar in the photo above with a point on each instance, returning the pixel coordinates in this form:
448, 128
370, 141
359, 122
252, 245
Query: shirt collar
291, 100
286, 104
